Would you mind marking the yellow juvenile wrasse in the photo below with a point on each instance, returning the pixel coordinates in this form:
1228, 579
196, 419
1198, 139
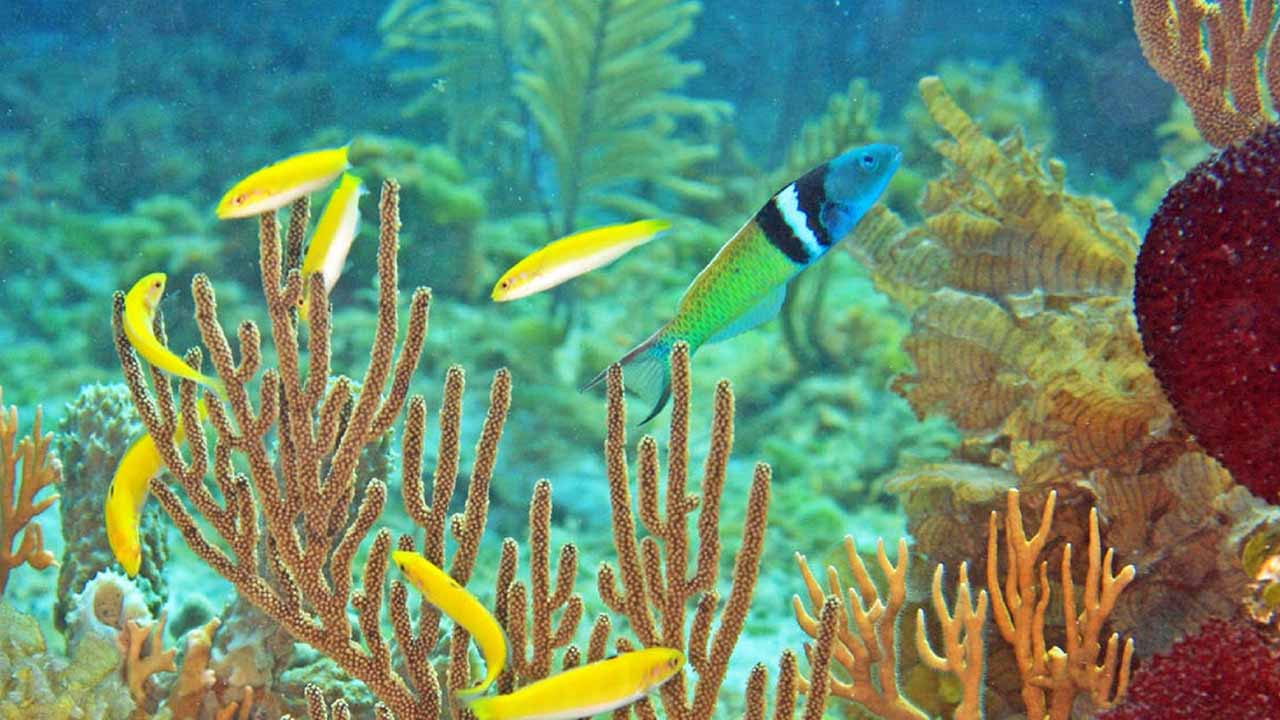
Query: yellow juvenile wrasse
453, 600
587, 690
128, 493
333, 237
279, 184
573, 255
139, 313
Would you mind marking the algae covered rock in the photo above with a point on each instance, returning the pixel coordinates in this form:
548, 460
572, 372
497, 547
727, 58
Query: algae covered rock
94, 433
37, 684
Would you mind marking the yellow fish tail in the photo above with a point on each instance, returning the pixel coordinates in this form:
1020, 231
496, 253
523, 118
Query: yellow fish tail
482, 709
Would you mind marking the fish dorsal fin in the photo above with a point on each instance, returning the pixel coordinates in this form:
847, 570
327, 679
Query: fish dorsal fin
761, 313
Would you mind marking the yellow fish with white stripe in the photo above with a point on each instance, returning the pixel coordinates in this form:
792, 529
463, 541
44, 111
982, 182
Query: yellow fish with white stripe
128, 493
279, 184
453, 600
332, 239
585, 691
573, 255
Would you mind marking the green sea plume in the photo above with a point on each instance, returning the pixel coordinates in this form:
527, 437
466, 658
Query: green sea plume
601, 87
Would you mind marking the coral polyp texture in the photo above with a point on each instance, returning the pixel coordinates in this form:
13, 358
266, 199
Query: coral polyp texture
1205, 294
1230, 669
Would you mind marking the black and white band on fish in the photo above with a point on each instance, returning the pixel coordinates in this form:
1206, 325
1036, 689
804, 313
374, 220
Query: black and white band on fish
791, 220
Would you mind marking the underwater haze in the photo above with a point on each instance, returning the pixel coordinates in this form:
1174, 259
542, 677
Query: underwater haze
515, 359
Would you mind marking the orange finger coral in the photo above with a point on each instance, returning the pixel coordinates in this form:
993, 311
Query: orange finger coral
40, 469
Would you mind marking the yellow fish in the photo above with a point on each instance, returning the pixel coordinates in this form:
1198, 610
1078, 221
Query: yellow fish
139, 313
128, 493
573, 255
279, 184
587, 690
453, 600
333, 237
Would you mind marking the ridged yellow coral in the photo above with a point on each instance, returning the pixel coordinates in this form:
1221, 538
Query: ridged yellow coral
1010, 225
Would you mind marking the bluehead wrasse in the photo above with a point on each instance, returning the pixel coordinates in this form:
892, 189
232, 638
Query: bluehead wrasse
332, 239
587, 690
127, 495
745, 283
463, 608
279, 184
573, 255
140, 305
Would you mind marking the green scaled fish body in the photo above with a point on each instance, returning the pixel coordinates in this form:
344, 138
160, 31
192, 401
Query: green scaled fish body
745, 283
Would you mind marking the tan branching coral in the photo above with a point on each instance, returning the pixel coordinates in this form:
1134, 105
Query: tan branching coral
866, 640
1219, 78
40, 469
286, 536
1052, 677
195, 678
144, 655
657, 583
540, 597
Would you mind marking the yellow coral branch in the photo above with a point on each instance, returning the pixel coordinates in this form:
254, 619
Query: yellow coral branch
865, 641
961, 640
1052, 677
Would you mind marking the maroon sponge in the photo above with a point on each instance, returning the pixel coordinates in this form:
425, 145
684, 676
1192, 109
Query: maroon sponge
1226, 671
1207, 296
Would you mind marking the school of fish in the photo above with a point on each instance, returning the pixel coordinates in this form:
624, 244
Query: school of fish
743, 286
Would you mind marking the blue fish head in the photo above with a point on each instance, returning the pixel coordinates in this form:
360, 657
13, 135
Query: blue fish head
854, 181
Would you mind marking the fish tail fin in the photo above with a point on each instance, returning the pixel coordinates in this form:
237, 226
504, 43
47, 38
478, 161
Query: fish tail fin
217, 386
648, 370
481, 708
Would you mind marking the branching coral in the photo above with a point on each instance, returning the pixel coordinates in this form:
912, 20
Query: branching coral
1220, 83
40, 469
293, 510
1052, 677
866, 646
656, 582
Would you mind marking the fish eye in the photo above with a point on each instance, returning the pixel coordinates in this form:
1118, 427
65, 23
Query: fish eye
238, 200
868, 161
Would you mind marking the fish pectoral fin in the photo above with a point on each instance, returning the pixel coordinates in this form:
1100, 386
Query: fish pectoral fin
761, 313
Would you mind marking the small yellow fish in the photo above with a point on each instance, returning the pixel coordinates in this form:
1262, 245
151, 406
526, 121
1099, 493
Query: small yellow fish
279, 184
333, 237
573, 255
128, 493
139, 313
453, 600
587, 690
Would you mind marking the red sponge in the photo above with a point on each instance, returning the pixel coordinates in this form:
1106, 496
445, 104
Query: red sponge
1207, 297
1227, 670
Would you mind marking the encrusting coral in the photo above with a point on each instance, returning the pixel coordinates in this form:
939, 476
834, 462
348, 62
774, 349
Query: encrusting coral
18, 491
1220, 82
